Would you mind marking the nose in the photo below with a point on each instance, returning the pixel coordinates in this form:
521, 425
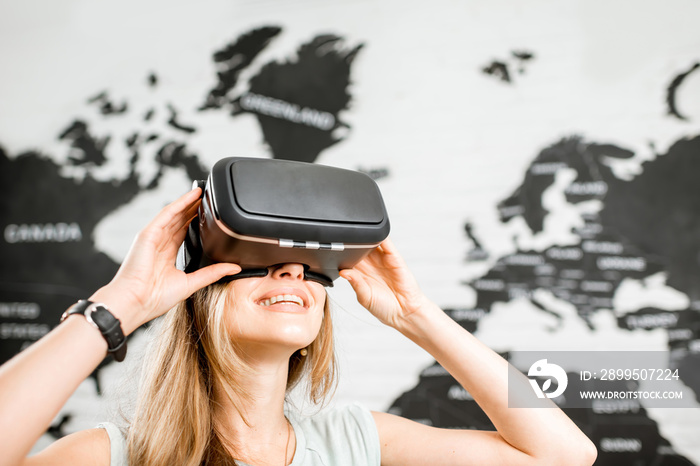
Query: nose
290, 270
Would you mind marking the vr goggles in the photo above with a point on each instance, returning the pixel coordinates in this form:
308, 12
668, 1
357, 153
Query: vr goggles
258, 213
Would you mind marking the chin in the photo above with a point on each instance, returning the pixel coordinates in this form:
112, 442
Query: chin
288, 336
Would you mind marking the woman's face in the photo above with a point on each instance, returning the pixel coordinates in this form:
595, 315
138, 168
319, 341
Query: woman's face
281, 309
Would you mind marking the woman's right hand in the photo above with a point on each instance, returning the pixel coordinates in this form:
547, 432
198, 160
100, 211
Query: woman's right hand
148, 284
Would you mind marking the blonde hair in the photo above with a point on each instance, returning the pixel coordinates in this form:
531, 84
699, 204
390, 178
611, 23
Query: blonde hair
173, 422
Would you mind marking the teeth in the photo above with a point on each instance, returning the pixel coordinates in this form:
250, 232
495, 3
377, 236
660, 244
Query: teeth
285, 298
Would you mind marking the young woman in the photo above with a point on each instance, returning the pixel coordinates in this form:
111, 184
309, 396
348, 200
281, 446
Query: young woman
227, 356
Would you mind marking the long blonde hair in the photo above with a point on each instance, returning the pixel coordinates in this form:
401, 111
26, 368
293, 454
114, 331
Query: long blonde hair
173, 422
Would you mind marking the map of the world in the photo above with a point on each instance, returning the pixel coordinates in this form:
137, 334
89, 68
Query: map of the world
532, 229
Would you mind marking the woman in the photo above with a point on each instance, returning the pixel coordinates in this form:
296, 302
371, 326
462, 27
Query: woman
230, 355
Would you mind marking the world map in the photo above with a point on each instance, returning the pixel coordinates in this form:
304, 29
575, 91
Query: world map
646, 226
640, 227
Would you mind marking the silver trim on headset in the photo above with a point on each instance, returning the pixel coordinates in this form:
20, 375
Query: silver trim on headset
212, 198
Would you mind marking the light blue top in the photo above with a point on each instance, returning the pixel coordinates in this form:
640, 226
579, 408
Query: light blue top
340, 436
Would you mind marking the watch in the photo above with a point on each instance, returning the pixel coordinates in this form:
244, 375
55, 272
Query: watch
109, 326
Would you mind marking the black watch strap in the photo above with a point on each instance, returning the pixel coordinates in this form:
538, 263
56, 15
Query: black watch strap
108, 325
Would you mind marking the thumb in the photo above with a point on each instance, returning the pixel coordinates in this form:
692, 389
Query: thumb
210, 274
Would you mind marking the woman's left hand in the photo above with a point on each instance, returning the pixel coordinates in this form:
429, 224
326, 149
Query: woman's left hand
385, 286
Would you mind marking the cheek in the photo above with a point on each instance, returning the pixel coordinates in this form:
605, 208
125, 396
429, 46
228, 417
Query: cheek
320, 307
318, 320
233, 322
244, 286
320, 315
319, 294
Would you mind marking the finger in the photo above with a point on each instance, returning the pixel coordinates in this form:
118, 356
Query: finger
390, 254
184, 202
358, 283
174, 240
388, 246
373, 262
209, 274
174, 232
167, 239
367, 267
184, 217
178, 211
180, 228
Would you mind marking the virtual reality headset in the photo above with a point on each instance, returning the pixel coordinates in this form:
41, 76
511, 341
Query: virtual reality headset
262, 212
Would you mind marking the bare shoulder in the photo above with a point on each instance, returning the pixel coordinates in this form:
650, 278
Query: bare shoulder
86, 447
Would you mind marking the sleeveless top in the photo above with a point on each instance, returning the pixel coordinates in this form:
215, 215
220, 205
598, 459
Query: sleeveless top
340, 436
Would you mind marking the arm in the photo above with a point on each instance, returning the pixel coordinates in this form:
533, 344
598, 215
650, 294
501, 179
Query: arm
387, 289
81, 448
35, 384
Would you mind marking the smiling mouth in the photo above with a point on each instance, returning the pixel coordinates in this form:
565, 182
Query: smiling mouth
283, 298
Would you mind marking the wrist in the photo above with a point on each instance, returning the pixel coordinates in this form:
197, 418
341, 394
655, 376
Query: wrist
100, 317
120, 306
418, 321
